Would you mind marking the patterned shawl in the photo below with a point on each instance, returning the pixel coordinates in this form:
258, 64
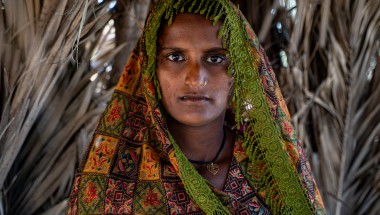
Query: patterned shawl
122, 170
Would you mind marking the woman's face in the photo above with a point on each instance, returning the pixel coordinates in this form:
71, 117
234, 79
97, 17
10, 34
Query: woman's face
192, 71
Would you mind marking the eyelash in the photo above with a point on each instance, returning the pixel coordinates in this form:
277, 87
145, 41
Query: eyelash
177, 55
220, 58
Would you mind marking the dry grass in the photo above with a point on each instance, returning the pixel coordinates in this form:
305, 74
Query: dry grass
333, 49
49, 106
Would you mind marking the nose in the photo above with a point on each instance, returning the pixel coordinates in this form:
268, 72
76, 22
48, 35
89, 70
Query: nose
196, 75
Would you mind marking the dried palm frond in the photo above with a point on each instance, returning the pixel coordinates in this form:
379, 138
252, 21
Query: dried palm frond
332, 54
49, 105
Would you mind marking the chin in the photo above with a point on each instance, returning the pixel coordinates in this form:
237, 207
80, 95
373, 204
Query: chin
194, 121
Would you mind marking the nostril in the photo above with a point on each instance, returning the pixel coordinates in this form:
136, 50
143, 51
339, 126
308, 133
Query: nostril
196, 76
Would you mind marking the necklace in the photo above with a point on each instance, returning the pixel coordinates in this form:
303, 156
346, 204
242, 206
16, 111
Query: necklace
212, 167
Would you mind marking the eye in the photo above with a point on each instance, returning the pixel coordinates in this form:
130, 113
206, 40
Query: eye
215, 59
176, 57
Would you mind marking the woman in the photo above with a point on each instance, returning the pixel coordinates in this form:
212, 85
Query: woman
197, 125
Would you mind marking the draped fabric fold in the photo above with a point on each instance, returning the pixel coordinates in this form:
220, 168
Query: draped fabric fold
134, 166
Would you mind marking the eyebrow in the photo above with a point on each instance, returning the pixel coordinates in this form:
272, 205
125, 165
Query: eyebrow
216, 49
170, 48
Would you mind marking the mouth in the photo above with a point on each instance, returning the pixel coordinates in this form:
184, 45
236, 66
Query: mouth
194, 98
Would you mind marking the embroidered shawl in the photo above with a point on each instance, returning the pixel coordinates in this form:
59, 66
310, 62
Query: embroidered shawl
134, 166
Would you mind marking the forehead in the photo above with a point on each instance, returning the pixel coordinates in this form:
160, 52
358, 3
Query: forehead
192, 28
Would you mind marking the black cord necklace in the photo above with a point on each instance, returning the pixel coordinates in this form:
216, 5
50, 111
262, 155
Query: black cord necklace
211, 166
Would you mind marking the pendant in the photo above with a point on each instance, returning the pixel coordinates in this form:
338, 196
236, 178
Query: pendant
213, 168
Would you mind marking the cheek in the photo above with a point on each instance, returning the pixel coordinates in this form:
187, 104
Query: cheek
161, 80
224, 90
166, 86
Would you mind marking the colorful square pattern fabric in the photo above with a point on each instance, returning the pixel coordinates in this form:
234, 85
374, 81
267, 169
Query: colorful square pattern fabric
113, 120
179, 202
102, 151
136, 126
245, 199
149, 167
129, 79
151, 199
72, 207
126, 162
168, 172
91, 195
119, 197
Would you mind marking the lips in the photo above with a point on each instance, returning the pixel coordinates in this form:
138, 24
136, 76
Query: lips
194, 98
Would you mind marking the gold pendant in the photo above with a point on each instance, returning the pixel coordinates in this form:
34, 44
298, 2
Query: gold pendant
213, 168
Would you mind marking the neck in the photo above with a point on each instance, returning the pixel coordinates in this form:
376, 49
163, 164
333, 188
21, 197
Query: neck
197, 142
